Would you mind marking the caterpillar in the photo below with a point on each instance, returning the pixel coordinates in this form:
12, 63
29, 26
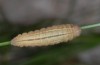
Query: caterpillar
47, 36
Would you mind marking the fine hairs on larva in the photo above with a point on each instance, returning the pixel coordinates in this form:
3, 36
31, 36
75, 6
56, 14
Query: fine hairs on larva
47, 36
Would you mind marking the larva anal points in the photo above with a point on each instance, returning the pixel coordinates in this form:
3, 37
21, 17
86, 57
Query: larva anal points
47, 36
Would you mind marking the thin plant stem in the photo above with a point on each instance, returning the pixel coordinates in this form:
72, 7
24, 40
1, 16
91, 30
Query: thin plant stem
83, 27
90, 26
5, 43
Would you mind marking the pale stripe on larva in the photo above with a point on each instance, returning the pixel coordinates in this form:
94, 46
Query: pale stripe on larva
47, 36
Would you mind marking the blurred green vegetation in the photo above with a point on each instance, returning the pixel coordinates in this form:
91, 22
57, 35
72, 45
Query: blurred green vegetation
60, 54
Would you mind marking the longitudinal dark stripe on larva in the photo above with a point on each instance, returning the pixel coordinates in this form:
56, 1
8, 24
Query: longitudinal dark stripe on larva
47, 36
42, 38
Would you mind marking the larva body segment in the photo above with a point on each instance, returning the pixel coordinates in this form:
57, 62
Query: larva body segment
47, 36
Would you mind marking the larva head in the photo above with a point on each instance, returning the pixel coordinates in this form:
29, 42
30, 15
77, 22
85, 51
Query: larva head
76, 30
47, 36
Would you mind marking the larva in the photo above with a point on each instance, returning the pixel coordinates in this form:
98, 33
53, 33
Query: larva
47, 36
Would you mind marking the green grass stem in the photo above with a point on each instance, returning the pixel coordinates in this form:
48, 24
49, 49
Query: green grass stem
83, 27
90, 26
5, 43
